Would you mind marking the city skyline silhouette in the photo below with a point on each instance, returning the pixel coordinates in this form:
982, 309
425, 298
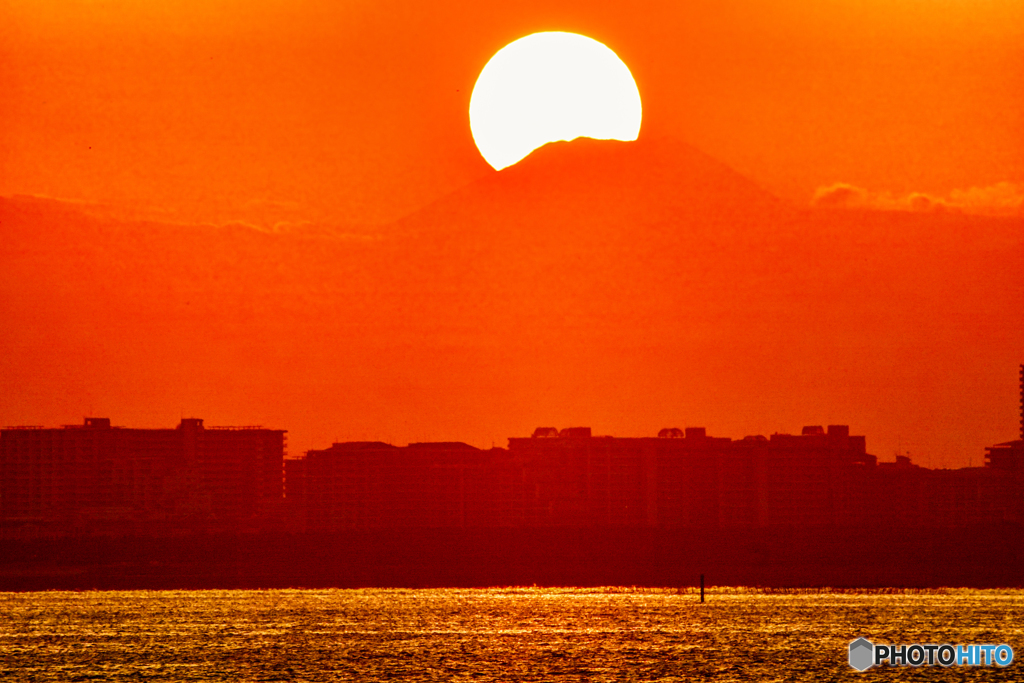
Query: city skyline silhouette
193, 507
99, 478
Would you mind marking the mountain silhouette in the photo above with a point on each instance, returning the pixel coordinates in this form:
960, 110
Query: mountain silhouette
611, 231
609, 198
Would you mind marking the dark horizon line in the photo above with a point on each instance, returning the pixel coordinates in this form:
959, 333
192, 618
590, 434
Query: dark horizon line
687, 433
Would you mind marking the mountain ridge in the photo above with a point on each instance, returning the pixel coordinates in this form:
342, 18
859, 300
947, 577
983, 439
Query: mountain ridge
646, 182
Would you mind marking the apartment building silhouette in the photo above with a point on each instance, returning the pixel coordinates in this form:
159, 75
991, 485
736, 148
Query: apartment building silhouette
98, 478
570, 478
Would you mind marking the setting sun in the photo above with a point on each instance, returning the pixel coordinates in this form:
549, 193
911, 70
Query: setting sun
548, 87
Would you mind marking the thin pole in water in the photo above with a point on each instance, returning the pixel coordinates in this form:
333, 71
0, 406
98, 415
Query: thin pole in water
702, 588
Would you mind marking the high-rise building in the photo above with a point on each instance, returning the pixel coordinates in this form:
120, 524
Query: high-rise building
1007, 460
96, 478
685, 478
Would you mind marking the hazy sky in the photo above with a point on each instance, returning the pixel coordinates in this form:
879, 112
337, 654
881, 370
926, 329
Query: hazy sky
357, 111
270, 111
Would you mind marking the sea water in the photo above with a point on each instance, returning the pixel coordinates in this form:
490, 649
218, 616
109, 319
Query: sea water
504, 634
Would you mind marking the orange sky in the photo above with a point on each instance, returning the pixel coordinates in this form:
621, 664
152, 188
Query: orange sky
357, 112
268, 111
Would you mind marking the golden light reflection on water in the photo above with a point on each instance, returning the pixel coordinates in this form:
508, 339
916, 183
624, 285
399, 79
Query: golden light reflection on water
514, 634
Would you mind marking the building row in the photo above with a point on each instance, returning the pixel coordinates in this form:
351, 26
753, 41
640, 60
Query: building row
823, 477
96, 478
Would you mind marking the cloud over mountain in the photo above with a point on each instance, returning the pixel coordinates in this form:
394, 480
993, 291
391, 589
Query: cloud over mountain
1001, 199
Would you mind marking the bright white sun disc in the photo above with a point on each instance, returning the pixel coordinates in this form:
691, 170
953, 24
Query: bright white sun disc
547, 87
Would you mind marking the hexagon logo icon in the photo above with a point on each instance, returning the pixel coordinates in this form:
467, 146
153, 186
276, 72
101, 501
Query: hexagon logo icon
862, 654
